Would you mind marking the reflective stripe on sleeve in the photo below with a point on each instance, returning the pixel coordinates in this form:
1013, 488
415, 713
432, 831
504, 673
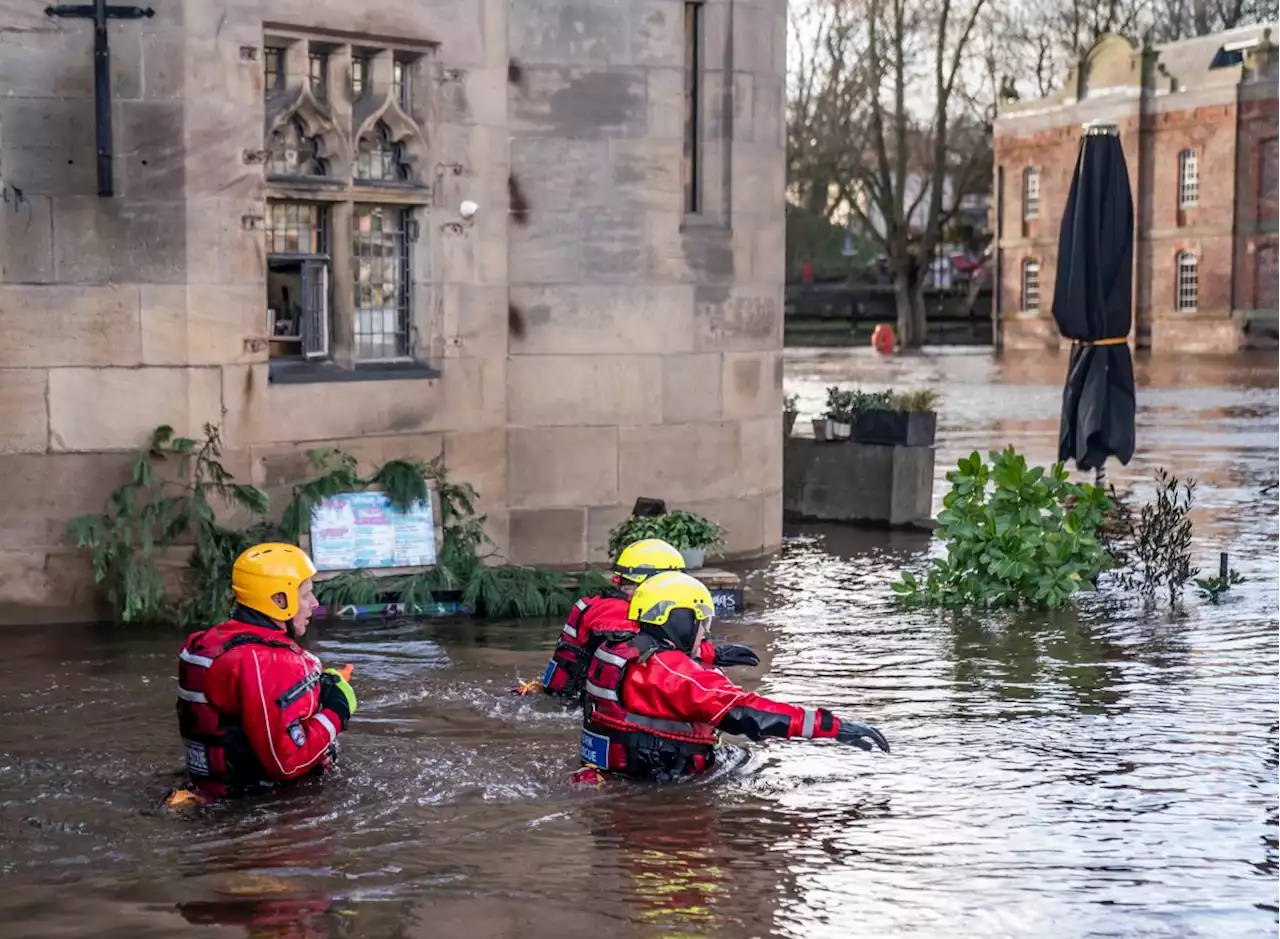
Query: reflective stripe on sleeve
810, 718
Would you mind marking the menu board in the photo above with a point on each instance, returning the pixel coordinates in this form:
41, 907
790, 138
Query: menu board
363, 530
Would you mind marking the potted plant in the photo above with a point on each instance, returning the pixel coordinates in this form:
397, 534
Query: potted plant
790, 408
907, 419
691, 534
840, 413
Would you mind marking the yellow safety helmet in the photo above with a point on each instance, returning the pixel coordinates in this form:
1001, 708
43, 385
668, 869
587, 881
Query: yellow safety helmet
265, 570
640, 560
664, 594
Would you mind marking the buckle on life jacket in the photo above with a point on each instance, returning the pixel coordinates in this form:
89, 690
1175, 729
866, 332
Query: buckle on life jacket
594, 749
546, 675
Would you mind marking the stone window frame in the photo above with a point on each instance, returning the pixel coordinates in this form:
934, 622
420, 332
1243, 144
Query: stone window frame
1186, 281
1188, 178
339, 125
1031, 193
707, 69
693, 33
1029, 288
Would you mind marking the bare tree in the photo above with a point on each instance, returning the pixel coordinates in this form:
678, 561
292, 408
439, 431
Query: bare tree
1046, 36
884, 126
1179, 19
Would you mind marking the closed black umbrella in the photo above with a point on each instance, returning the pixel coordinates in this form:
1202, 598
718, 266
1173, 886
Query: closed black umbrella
1093, 305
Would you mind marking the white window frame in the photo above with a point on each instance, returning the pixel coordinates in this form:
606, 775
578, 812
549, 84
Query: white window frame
1030, 291
1188, 179
1030, 193
1186, 286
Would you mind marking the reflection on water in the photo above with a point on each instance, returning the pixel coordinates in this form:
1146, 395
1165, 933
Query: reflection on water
1104, 771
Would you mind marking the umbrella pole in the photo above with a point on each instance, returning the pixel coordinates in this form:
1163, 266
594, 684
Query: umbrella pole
1100, 477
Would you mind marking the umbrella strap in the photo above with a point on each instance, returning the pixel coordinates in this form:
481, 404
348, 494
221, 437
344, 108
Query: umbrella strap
1113, 341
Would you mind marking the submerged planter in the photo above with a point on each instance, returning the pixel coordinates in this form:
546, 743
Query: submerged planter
822, 429
788, 422
841, 431
896, 428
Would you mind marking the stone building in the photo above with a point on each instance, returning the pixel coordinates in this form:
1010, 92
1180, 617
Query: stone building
285, 254
1197, 121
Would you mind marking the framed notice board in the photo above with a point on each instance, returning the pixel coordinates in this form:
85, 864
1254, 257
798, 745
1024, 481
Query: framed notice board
363, 531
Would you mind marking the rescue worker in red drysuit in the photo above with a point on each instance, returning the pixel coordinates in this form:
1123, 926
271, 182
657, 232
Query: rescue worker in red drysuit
254, 708
594, 619
652, 711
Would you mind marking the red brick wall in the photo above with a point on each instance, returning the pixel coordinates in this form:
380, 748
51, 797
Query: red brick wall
1233, 143
1210, 132
1256, 207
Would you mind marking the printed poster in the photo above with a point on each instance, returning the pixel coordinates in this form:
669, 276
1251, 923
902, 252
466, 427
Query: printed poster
362, 530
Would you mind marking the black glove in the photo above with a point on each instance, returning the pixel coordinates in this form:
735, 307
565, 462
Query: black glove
728, 656
857, 734
337, 695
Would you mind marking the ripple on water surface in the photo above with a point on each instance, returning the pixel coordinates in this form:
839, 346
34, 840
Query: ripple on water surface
1105, 771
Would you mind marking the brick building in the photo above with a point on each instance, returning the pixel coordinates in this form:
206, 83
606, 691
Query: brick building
1197, 120
285, 255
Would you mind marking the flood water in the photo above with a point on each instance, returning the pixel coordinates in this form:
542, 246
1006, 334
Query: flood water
1107, 771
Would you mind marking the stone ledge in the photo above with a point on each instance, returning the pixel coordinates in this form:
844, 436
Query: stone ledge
302, 373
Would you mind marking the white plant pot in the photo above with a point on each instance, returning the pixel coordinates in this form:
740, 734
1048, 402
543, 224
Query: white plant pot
693, 557
841, 431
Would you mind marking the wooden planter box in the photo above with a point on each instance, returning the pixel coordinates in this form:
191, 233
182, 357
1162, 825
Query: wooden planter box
896, 428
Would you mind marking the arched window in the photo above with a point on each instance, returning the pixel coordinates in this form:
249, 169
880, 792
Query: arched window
1030, 193
1030, 285
293, 153
380, 159
1188, 287
1188, 179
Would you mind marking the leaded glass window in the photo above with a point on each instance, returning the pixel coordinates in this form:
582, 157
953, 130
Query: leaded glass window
379, 159
380, 252
293, 153
296, 228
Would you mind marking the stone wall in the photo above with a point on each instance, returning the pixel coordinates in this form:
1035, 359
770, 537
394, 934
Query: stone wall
606, 348
648, 358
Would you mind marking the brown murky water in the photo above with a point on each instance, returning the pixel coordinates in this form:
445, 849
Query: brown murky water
1106, 772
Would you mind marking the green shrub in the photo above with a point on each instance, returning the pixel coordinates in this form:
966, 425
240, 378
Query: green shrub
1015, 535
680, 529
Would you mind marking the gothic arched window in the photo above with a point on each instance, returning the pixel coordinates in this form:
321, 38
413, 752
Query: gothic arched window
293, 153
380, 159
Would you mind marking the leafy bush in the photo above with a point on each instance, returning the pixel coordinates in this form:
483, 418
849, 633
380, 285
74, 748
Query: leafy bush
1015, 535
844, 406
158, 510
791, 404
680, 529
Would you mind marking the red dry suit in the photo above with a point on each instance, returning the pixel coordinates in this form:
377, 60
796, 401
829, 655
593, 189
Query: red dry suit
591, 621
249, 708
652, 710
